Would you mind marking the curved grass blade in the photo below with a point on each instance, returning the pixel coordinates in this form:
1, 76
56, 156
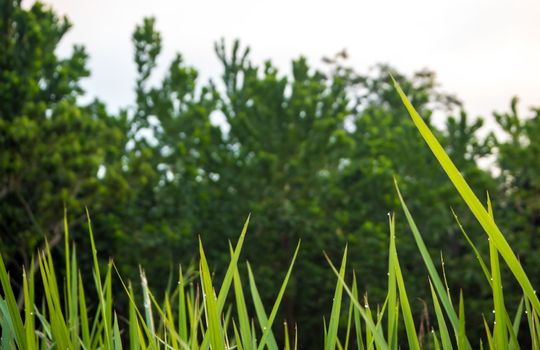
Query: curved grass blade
472, 201
331, 339
266, 329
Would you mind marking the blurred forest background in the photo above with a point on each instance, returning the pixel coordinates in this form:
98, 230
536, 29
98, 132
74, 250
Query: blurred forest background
310, 155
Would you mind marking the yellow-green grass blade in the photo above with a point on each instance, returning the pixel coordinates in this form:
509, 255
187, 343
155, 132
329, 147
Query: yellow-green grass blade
377, 334
73, 304
134, 341
476, 252
227, 280
489, 337
130, 295
59, 330
211, 309
85, 331
273, 313
500, 335
336, 308
514, 330
462, 338
443, 330
404, 300
349, 326
436, 344
237, 337
286, 335
29, 319
393, 307
243, 318
259, 309
167, 322
433, 274
472, 202
499, 332
117, 339
357, 321
107, 322
369, 332
182, 312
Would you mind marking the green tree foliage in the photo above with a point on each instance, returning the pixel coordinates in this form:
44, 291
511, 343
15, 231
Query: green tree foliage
51, 147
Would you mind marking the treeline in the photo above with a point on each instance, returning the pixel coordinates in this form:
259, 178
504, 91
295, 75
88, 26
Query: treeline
310, 155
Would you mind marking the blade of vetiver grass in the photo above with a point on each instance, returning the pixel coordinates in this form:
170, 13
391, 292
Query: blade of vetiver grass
379, 338
134, 342
404, 300
243, 318
211, 309
129, 293
85, 331
443, 330
349, 325
392, 327
97, 278
499, 332
11, 306
237, 337
511, 331
273, 313
336, 308
517, 322
357, 322
435, 340
442, 291
462, 338
227, 280
472, 201
182, 314
29, 319
168, 321
489, 337
286, 334
259, 309
59, 330
476, 252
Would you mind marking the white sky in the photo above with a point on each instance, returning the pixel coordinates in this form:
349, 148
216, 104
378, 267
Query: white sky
485, 51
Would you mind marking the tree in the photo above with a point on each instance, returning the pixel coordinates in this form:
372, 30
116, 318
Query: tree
51, 147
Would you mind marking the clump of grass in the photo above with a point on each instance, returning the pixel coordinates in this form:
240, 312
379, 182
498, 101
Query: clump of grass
196, 316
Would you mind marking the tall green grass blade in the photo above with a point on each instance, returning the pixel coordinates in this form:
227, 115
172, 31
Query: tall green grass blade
442, 289
472, 201
336, 308
182, 313
259, 310
12, 314
357, 320
443, 329
393, 306
365, 313
243, 318
107, 322
489, 337
500, 335
462, 338
211, 309
273, 313
404, 300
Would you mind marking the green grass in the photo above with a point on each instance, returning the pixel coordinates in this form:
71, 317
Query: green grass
197, 316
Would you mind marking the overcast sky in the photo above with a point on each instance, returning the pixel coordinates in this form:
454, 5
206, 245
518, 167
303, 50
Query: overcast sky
485, 51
